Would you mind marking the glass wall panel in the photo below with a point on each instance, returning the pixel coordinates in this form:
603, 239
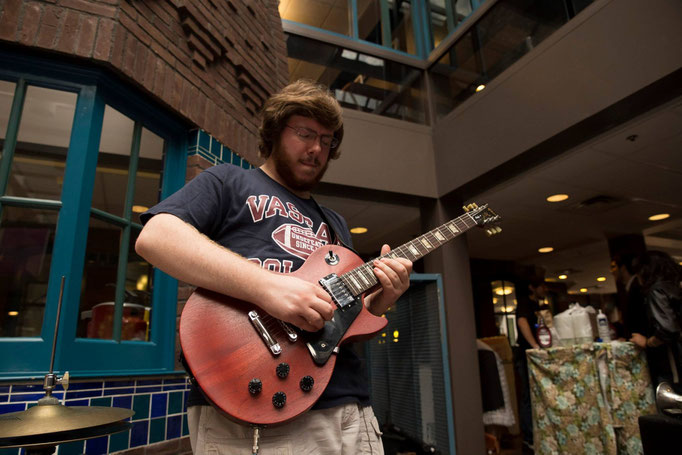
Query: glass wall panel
370, 25
6, 97
111, 179
388, 23
360, 81
43, 140
148, 176
331, 15
457, 74
509, 30
26, 244
446, 15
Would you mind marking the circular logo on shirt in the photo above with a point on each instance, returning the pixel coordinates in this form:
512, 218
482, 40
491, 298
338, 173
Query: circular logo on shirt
296, 240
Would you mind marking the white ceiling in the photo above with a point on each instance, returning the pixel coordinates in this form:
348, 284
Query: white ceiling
641, 177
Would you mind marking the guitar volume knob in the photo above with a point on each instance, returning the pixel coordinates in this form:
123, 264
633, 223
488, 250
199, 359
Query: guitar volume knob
255, 386
306, 383
282, 370
279, 399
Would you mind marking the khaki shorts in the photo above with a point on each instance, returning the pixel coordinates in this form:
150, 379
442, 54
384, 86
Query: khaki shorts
348, 429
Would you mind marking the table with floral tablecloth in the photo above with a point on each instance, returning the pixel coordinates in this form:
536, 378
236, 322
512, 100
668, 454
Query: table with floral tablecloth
586, 398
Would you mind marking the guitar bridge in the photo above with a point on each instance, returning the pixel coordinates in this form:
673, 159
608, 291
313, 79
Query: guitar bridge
269, 341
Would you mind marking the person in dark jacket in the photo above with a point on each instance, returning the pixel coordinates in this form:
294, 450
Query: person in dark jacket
660, 278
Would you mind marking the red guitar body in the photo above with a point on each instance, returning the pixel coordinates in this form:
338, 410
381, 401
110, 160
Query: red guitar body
225, 352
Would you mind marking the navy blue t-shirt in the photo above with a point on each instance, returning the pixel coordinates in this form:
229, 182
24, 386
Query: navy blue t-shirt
254, 216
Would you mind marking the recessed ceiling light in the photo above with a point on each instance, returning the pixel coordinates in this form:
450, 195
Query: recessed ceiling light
659, 216
358, 230
139, 208
583, 289
13, 313
557, 197
563, 277
480, 87
545, 249
601, 278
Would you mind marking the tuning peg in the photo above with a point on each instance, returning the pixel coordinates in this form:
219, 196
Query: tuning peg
489, 232
474, 205
498, 230
465, 208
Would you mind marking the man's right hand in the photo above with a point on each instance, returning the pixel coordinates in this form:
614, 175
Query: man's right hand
293, 300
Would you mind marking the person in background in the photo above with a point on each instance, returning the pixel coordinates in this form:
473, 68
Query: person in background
660, 278
634, 314
527, 312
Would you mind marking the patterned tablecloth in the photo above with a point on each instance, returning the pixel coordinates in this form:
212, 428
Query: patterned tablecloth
587, 398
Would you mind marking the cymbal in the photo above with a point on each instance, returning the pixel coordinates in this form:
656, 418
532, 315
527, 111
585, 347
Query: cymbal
54, 423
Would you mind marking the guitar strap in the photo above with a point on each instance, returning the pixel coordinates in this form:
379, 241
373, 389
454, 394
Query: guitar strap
336, 238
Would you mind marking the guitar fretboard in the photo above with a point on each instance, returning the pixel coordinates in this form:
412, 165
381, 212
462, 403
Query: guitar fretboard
362, 278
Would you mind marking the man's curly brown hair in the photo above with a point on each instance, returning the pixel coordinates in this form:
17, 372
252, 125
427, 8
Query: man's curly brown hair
305, 98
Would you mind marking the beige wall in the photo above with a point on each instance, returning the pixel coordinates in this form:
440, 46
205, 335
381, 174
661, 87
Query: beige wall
385, 154
610, 50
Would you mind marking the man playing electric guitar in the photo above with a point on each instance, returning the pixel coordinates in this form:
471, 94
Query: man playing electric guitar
229, 229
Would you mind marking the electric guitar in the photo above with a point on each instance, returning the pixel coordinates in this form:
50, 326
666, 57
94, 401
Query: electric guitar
259, 370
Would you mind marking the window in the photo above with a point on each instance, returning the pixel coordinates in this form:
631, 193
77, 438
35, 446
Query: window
504, 306
78, 164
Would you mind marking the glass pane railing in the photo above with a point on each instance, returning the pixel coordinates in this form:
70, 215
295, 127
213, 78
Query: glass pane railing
360, 81
505, 33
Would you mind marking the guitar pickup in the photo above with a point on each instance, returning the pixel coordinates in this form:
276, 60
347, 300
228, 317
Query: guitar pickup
337, 290
270, 342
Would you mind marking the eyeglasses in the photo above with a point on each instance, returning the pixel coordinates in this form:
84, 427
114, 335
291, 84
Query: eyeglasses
310, 136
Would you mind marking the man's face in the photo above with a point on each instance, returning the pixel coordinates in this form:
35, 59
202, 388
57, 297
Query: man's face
300, 157
540, 292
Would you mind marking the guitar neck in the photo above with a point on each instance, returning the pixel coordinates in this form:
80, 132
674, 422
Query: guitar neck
362, 278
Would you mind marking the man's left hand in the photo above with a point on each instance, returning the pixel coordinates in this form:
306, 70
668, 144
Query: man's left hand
394, 278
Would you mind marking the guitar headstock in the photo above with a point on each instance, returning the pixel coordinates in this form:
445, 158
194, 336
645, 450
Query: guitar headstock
484, 217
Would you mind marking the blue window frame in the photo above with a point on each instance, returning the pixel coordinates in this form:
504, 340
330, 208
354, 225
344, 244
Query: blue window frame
27, 356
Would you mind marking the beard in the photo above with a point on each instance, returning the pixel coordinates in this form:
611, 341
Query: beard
285, 166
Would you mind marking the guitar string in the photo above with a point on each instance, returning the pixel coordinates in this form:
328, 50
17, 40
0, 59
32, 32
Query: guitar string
460, 223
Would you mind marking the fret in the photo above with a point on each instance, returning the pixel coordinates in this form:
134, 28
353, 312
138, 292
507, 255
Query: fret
453, 228
426, 243
439, 236
414, 251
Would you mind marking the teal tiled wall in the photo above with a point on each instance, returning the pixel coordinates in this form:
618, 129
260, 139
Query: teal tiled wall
159, 404
203, 144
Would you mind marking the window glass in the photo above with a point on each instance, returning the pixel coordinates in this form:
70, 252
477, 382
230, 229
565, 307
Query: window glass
504, 306
360, 81
139, 286
456, 75
446, 15
26, 244
387, 23
6, 97
507, 32
42, 142
331, 15
113, 161
148, 176
98, 288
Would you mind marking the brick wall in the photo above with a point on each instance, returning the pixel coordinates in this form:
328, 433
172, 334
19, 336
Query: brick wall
212, 61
